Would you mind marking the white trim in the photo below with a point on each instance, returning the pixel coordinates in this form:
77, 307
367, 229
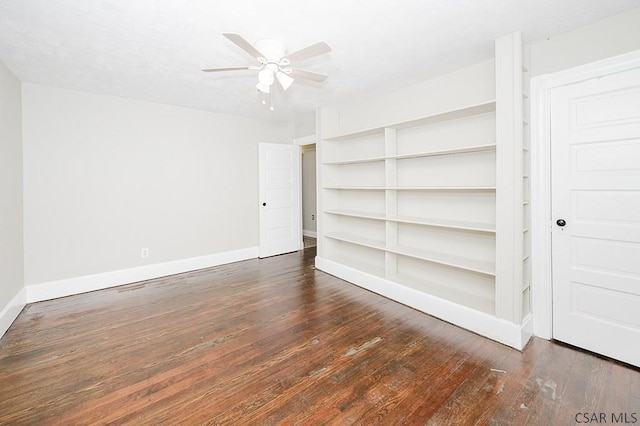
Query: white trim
11, 311
509, 187
312, 234
486, 325
541, 87
541, 274
305, 140
526, 329
299, 183
615, 64
71, 286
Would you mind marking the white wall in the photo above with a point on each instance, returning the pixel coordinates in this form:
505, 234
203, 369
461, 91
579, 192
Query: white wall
309, 213
609, 37
305, 127
473, 84
11, 241
106, 176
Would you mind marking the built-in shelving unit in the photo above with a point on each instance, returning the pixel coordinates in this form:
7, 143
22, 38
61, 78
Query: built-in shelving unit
417, 199
434, 211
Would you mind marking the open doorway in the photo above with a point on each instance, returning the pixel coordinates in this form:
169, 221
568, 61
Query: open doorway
309, 214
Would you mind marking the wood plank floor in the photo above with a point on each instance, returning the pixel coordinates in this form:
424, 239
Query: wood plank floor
273, 341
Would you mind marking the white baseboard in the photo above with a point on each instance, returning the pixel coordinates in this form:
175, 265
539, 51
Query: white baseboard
486, 325
527, 329
311, 234
11, 311
71, 286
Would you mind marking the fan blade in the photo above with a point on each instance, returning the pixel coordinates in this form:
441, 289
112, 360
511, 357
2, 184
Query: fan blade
308, 52
227, 69
307, 75
243, 44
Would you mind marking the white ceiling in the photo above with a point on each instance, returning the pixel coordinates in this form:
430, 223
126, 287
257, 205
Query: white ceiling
154, 49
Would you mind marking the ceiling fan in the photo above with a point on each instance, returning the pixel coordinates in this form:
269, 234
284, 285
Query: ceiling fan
275, 62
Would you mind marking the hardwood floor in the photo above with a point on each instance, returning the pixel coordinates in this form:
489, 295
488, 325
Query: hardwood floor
309, 242
273, 341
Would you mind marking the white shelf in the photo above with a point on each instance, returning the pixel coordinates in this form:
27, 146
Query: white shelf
357, 135
356, 239
357, 188
356, 161
473, 265
443, 188
479, 301
347, 259
451, 151
355, 213
447, 223
436, 223
415, 188
454, 114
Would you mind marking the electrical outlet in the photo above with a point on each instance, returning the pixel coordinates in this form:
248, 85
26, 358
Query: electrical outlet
313, 217
144, 252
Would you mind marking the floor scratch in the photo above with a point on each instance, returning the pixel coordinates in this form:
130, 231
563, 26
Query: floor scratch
363, 347
548, 389
318, 372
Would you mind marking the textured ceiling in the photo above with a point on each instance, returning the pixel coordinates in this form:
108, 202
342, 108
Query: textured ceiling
154, 49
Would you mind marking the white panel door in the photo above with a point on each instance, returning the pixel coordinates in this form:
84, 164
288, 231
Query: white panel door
279, 173
595, 169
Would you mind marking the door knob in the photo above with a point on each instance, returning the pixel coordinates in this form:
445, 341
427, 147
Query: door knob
264, 204
561, 222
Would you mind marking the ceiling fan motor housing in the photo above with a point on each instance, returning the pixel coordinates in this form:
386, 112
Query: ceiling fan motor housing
274, 50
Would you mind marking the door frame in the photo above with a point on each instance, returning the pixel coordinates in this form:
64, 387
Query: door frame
541, 223
301, 141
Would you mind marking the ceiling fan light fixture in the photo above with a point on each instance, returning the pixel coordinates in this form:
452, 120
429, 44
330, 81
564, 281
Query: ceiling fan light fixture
284, 80
265, 77
264, 88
